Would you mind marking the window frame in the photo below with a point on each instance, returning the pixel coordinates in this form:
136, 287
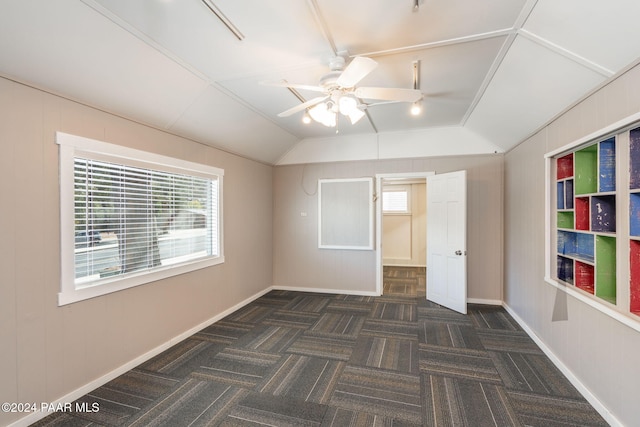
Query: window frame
72, 146
397, 188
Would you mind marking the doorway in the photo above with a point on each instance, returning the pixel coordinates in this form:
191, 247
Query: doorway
401, 233
399, 281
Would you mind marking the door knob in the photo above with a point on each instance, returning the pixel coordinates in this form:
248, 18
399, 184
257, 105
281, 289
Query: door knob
458, 252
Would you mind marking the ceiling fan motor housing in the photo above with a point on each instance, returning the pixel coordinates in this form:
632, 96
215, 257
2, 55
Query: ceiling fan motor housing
337, 63
328, 81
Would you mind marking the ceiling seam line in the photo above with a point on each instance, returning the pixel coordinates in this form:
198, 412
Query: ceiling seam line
490, 76
525, 13
144, 38
209, 82
130, 119
373, 125
540, 41
223, 19
442, 43
522, 18
586, 96
322, 23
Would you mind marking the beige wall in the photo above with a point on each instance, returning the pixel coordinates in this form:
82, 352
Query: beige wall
404, 236
49, 351
601, 352
299, 263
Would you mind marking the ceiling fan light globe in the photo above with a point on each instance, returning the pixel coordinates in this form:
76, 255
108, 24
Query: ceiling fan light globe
416, 109
330, 119
319, 112
348, 105
356, 115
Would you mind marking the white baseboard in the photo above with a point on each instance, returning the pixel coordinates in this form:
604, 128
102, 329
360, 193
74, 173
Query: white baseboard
484, 301
76, 394
593, 400
385, 264
325, 291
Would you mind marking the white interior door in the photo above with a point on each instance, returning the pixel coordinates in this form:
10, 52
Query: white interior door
447, 240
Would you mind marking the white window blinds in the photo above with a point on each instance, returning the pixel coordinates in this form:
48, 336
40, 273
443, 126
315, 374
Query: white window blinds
395, 201
129, 217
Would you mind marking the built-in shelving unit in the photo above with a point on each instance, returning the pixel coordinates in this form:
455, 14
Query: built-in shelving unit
586, 219
593, 207
634, 221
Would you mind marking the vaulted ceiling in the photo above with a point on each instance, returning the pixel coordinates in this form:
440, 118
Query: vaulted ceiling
497, 69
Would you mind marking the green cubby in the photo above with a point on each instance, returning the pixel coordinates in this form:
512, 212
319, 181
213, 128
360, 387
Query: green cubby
605, 258
586, 242
565, 220
586, 170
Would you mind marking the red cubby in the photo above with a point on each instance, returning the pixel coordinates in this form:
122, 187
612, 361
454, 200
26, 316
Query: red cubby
581, 207
584, 277
634, 261
565, 166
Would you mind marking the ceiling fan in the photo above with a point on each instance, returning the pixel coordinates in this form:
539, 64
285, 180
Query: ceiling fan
340, 94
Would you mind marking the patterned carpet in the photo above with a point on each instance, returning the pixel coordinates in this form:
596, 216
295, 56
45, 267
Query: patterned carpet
305, 359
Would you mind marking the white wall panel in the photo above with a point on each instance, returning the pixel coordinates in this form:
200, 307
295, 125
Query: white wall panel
50, 351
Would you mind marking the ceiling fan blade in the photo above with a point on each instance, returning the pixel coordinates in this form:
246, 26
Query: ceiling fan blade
359, 67
302, 106
284, 83
389, 94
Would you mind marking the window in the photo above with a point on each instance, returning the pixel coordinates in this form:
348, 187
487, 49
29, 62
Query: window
129, 217
593, 208
395, 200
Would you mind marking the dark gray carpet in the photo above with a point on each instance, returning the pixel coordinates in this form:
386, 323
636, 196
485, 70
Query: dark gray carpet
304, 359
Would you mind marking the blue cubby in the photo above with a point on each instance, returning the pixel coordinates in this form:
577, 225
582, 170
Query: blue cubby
566, 243
607, 165
560, 193
634, 214
576, 245
603, 214
565, 269
584, 246
568, 194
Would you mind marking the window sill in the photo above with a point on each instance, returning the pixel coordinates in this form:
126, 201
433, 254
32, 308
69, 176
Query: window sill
110, 285
620, 317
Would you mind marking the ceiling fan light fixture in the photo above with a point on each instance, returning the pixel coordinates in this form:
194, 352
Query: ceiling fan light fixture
331, 120
416, 108
318, 112
356, 115
322, 114
348, 105
306, 119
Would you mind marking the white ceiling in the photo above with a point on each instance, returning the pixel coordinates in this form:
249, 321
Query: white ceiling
495, 69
